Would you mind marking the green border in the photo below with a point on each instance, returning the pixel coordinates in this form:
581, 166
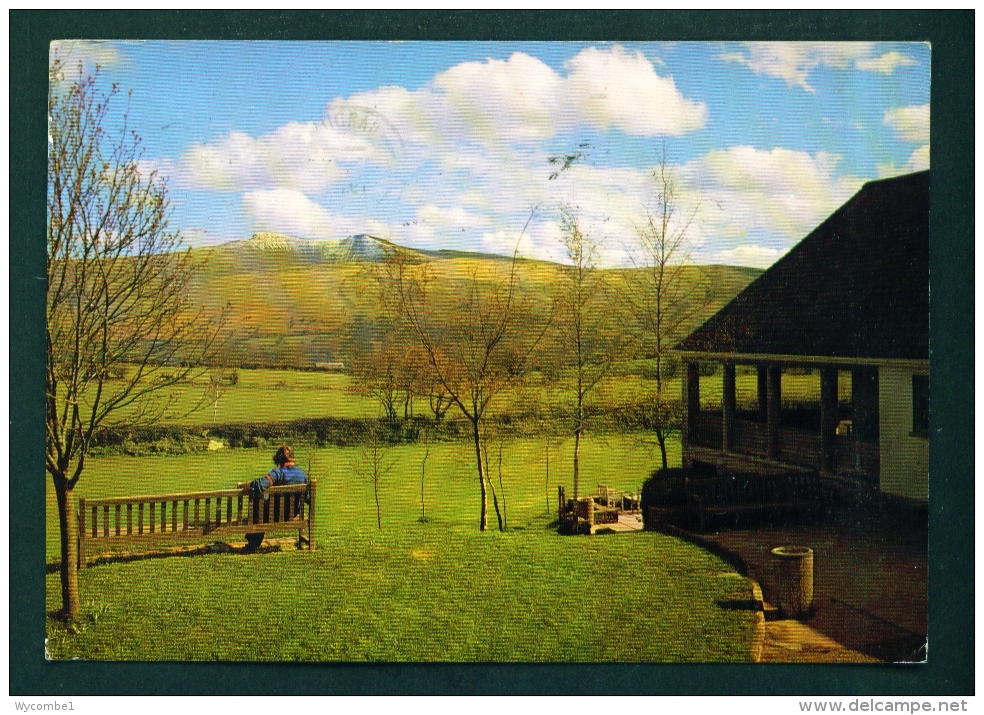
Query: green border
950, 669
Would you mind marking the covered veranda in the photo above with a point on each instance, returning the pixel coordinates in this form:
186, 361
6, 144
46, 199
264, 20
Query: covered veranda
827, 422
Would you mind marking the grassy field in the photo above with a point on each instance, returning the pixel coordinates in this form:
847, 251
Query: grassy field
284, 395
345, 495
414, 590
433, 590
268, 395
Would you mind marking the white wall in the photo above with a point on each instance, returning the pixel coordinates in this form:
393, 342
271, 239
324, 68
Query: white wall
904, 457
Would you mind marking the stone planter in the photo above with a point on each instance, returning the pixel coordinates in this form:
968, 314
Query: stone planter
794, 576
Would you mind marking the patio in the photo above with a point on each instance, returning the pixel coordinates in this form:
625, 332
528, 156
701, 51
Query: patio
870, 580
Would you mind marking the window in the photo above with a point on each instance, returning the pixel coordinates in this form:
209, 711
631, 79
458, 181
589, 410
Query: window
920, 405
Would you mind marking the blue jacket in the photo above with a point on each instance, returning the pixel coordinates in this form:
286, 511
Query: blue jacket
287, 474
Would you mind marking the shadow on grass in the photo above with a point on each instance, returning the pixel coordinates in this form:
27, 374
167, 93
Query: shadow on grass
217, 547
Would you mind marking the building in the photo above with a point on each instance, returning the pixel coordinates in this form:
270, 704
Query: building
847, 307
333, 366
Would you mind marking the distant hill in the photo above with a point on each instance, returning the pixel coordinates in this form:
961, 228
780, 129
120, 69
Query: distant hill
265, 248
294, 301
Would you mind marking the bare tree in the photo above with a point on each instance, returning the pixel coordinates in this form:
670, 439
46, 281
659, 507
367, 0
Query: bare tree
664, 292
429, 386
588, 332
373, 462
502, 490
477, 338
219, 383
423, 475
495, 495
120, 327
500, 513
389, 373
549, 444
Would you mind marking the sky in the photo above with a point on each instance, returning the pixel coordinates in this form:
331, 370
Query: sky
448, 144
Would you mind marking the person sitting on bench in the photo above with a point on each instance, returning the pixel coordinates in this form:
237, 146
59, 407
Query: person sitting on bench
286, 472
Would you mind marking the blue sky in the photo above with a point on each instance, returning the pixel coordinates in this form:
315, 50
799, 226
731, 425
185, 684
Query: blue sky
446, 145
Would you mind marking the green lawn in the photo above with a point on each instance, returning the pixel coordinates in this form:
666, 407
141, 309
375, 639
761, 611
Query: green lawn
420, 593
345, 502
434, 590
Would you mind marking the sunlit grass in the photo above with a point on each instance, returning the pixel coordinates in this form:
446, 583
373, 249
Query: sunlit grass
414, 590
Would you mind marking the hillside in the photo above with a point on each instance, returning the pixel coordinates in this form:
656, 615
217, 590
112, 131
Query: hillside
295, 302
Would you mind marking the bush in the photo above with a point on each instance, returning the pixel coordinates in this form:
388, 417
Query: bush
665, 489
707, 369
322, 431
648, 416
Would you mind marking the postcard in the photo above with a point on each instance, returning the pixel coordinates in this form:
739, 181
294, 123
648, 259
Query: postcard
487, 351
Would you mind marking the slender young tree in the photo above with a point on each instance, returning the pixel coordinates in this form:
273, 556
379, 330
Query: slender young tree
423, 474
588, 333
219, 383
665, 292
120, 327
373, 462
477, 338
502, 490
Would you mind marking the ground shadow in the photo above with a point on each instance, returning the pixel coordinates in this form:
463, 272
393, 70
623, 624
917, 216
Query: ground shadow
216, 547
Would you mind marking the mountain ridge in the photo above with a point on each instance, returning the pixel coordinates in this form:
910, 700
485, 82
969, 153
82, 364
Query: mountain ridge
364, 247
296, 302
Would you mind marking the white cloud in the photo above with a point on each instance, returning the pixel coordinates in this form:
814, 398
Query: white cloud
919, 159
911, 122
794, 61
471, 161
288, 211
450, 218
304, 156
518, 98
749, 255
540, 240
160, 168
885, 64
788, 192
501, 189
474, 163
410, 116
622, 89
197, 237
751, 203
523, 100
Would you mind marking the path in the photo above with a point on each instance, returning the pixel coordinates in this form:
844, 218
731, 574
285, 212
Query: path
870, 587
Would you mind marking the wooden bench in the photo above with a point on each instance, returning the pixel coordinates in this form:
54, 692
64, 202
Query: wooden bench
731, 495
115, 522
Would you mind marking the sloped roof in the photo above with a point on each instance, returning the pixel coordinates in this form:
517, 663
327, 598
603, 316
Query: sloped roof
856, 287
